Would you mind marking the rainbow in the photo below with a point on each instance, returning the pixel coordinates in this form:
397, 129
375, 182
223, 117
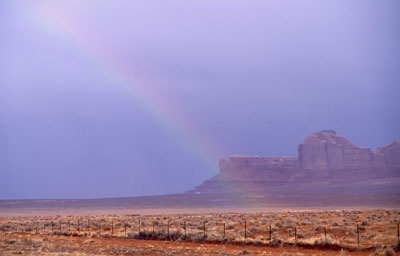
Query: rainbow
163, 110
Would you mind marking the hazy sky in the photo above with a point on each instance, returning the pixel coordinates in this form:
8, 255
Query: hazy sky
127, 98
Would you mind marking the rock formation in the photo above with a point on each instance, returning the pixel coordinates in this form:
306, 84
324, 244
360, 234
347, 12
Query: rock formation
327, 150
323, 157
239, 163
388, 155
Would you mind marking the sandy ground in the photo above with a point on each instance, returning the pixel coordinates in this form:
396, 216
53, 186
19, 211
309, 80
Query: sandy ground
32, 244
98, 211
299, 232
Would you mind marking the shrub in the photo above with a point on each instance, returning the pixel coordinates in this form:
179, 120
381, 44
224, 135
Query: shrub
276, 241
244, 252
384, 252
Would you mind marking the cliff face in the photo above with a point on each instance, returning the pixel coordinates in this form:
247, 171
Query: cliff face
389, 155
323, 157
327, 150
238, 163
320, 150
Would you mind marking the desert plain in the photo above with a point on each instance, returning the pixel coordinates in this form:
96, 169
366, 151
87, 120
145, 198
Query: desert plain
277, 232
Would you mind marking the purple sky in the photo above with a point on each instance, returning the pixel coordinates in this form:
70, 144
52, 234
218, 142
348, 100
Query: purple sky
251, 77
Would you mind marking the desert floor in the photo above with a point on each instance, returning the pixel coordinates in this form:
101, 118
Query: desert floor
324, 232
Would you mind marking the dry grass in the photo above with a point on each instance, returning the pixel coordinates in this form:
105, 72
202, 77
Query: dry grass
83, 235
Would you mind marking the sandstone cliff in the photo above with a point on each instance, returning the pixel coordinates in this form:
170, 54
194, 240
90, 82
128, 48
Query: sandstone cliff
324, 157
327, 150
320, 150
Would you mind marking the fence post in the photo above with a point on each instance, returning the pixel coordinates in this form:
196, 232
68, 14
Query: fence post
60, 226
153, 230
125, 228
270, 233
224, 230
100, 228
184, 227
88, 223
78, 226
325, 235
168, 229
398, 234
52, 226
245, 230
295, 235
358, 237
112, 227
69, 225
204, 230
139, 227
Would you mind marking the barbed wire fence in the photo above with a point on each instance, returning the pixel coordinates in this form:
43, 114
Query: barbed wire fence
242, 231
